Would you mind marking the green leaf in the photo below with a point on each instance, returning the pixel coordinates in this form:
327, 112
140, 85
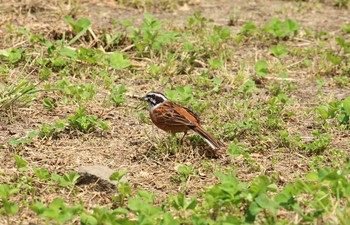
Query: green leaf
20, 162
248, 28
117, 61
333, 58
259, 185
42, 173
261, 68
88, 219
135, 204
68, 52
186, 170
71, 177
38, 208
216, 63
10, 208
346, 105
33, 134
5, 52
118, 175
146, 196
266, 203
12, 55
278, 50
291, 26
272, 187
323, 112
169, 220
4, 191
234, 150
254, 209
312, 176
80, 27
49, 103
116, 95
346, 29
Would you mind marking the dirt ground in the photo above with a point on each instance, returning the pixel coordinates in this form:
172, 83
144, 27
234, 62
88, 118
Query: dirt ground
127, 145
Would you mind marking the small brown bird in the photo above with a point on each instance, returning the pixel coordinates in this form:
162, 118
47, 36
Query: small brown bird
174, 118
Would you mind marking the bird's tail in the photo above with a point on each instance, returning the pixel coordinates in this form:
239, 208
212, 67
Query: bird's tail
210, 139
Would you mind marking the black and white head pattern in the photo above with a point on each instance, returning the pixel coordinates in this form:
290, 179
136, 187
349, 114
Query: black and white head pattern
154, 99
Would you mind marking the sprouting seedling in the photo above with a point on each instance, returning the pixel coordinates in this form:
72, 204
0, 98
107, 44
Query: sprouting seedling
80, 27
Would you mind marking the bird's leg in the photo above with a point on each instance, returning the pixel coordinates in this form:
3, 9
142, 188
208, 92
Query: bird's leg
181, 141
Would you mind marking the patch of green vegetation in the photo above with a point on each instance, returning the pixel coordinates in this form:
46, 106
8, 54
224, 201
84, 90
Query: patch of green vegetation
153, 5
79, 122
228, 201
281, 29
338, 110
17, 95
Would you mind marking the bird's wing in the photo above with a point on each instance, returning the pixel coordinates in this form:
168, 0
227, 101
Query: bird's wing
174, 115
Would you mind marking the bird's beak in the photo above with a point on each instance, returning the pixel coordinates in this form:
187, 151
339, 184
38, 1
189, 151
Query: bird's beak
143, 98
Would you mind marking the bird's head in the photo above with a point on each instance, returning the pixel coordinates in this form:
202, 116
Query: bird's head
154, 99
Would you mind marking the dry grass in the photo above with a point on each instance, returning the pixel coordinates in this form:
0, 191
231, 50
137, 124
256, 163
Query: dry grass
138, 146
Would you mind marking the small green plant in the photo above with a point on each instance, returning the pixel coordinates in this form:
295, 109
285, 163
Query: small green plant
319, 145
117, 61
123, 188
235, 150
182, 204
344, 46
57, 212
47, 131
287, 140
342, 81
147, 213
333, 57
337, 109
184, 173
151, 36
20, 142
197, 21
41, 173
342, 3
249, 28
77, 92
85, 123
248, 88
11, 55
278, 50
219, 36
80, 27
182, 94
346, 29
68, 179
18, 95
8, 207
185, 95
281, 29
93, 56
49, 103
261, 68
116, 95
80, 121
234, 15
215, 63
112, 39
